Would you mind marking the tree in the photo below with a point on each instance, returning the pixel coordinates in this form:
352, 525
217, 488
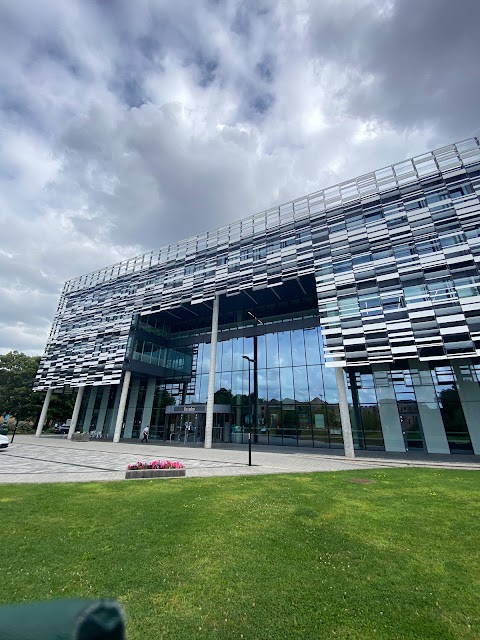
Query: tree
17, 375
60, 407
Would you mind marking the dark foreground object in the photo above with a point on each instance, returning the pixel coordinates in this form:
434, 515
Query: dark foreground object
63, 620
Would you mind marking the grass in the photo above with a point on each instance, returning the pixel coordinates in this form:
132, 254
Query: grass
292, 556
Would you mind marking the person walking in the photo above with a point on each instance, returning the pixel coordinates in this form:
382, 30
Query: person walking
145, 434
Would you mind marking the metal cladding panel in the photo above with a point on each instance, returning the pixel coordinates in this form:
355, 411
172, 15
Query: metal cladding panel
395, 254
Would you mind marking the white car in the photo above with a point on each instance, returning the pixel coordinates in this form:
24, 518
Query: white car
4, 442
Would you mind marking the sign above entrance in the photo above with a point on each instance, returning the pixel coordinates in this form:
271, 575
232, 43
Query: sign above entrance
188, 408
197, 408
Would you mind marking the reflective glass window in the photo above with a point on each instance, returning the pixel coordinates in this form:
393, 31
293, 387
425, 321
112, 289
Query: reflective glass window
330, 385
226, 380
273, 384
301, 384
261, 352
247, 351
238, 363
298, 348
272, 350
218, 361
262, 385
205, 363
315, 383
203, 388
312, 349
286, 384
319, 424
284, 349
227, 356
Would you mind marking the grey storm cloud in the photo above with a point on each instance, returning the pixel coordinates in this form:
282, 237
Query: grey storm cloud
411, 62
126, 126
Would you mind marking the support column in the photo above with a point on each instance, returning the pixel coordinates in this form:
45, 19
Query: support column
344, 413
43, 414
469, 393
211, 375
76, 411
111, 421
103, 409
148, 406
356, 410
428, 409
121, 407
388, 409
255, 388
90, 406
132, 408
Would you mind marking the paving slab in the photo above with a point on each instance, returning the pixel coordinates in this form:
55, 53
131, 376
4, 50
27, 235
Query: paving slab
55, 459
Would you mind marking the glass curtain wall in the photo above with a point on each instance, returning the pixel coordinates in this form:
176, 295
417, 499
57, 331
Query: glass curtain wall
399, 398
297, 397
452, 410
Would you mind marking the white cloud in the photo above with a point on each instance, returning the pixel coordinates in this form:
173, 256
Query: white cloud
126, 126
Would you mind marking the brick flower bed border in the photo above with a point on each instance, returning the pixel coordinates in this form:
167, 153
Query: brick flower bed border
154, 473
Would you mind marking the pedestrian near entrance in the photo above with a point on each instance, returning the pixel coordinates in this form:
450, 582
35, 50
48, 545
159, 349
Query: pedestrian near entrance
145, 434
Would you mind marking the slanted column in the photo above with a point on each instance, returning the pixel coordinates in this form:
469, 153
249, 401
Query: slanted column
103, 409
428, 408
76, 411
344, 413
388, 409
132, 407
113, 414
121, 406
469, 393
211, 375
43, 415
148, 406
89, 413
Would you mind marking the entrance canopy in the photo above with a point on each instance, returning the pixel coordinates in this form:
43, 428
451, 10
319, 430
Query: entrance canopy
262, 311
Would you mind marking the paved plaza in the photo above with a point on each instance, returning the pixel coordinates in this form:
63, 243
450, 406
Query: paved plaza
55, 459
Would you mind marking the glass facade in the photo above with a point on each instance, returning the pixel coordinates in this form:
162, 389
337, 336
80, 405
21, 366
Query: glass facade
297, 401
392, 406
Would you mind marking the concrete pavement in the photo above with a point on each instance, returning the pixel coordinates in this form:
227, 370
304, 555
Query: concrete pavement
55, 459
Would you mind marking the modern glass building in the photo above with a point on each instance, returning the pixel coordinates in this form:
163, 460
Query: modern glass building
347, 317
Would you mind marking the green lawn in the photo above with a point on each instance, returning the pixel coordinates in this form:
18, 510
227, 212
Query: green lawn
291, 556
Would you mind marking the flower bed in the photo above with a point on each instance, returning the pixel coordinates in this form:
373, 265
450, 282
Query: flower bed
155, 469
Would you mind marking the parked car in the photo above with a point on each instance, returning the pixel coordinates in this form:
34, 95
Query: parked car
61, 428
4, 441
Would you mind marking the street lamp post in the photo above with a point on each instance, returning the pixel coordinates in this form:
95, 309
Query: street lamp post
250, 360
255, 372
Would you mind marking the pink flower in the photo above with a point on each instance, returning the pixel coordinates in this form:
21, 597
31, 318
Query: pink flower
155, 464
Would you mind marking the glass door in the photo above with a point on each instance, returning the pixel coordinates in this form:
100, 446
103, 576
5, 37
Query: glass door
218, 426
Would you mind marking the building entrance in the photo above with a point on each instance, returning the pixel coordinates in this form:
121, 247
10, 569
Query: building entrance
186, 423
186, 427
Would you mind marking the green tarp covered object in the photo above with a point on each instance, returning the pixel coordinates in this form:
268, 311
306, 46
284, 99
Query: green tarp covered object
63, 620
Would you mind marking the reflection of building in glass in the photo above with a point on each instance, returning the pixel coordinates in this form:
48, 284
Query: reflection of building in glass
377, 278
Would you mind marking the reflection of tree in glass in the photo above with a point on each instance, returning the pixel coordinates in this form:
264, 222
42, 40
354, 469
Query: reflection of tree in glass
290, 420
166, 399
452, 411
224, 396
371, 419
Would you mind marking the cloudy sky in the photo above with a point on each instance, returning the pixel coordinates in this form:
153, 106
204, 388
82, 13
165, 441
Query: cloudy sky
125, 126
